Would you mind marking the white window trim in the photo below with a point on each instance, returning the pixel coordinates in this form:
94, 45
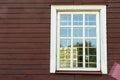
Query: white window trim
103, 41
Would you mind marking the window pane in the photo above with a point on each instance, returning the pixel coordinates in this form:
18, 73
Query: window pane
90, 32
65, 32
92, 51
77, 65
77, 43
90, 43
80, 58
77, 32
92, 59
80, 64
64, 43
90, 65
65, 57
65, 20
86, 58
77, 20
90, 19
65, 64
77, 53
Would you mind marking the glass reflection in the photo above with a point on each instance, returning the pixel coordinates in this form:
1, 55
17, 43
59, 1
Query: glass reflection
65, 20
77, 43
77, 20
65, 57
92, 51
90, 65
64, 43
77, 32
92, 59
65, 32
90, 19
90, 43
90, 32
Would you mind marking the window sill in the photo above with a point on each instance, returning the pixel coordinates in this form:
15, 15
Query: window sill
78, 72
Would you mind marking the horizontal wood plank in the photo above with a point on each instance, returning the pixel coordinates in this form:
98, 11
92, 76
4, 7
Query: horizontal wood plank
25, 16
24, 77
24, 40
24, 51
114, 5
25, 1
29, 30
24, 67
23, 6
24, 45
24, 62
64, 1
113, 21
25, 56
113, 11
114, 1
94, 1
23, 26
23, 72
42, 36
6, 11
24, 21
114, 45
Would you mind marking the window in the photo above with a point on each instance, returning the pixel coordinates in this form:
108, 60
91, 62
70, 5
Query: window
78, 38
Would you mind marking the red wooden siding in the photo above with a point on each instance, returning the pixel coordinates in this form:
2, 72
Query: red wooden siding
25, 39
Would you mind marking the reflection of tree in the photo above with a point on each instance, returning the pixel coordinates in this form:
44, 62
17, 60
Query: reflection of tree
78, 44
90, 51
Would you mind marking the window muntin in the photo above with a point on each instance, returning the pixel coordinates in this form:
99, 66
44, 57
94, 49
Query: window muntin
78, 41
102, 49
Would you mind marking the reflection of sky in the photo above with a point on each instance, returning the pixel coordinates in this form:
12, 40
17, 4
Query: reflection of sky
77, 32
65, 43
77, 20
90, 32
90, 20
65, 20
65, 32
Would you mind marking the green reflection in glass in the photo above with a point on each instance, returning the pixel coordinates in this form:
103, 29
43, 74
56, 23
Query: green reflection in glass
92, 59
92, 65
77, 43
92, 51
90, 43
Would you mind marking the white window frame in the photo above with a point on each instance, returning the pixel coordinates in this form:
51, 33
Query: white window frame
97, 38
102, 35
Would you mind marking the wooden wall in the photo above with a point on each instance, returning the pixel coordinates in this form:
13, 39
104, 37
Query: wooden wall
25, 39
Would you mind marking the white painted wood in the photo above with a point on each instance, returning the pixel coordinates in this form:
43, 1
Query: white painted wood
103, 40
102, 61
53, 40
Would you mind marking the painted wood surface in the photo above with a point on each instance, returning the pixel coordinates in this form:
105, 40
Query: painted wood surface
25, 39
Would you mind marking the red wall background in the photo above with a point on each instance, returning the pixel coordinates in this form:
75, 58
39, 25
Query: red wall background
25, 39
